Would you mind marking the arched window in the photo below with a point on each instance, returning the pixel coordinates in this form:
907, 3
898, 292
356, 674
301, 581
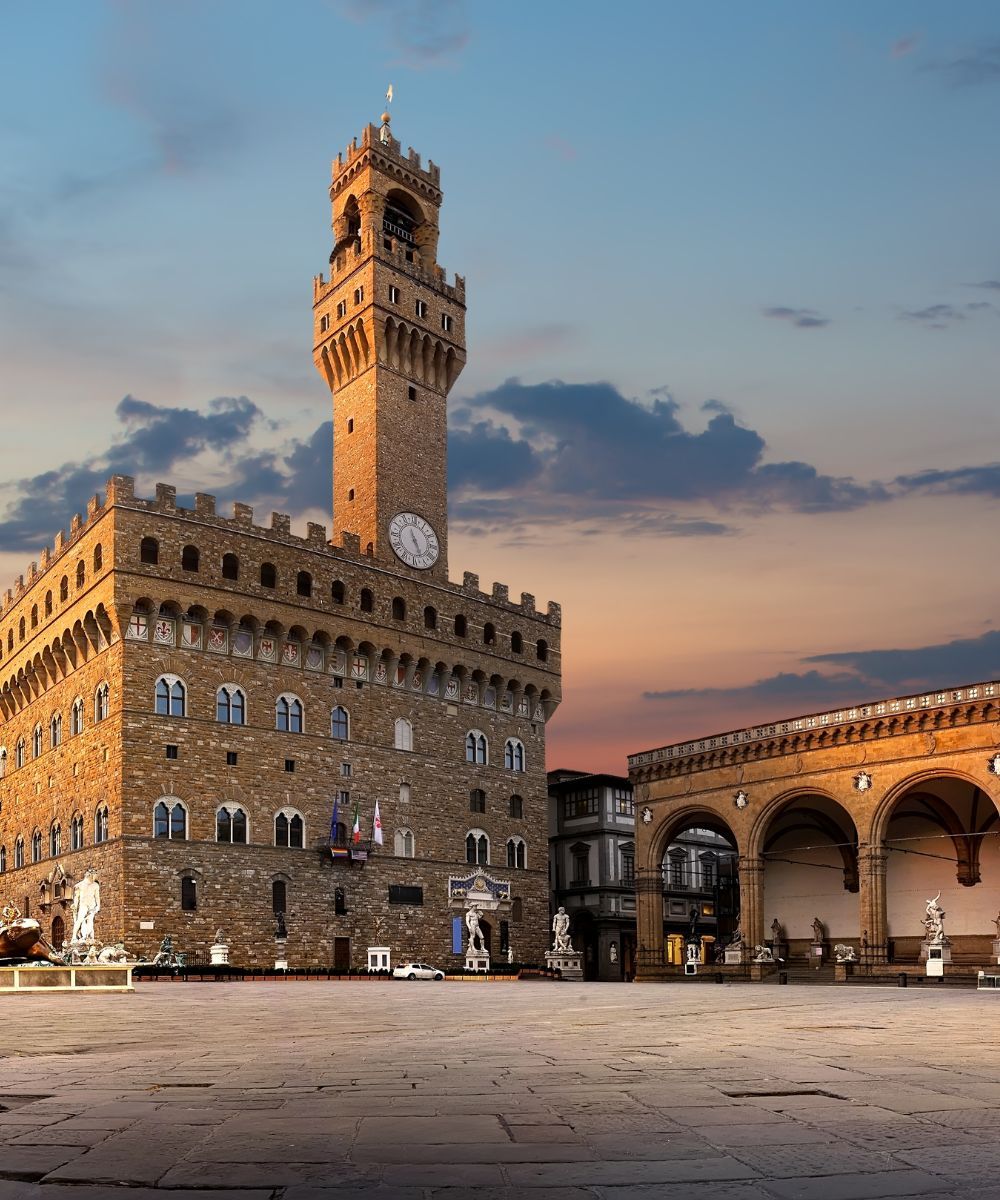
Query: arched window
461, 626
289, 829
55, 840
288, 713
340, 724
48, 604
398, 608
477, 800
10, 640
367, 603
81, 574
98, 559
64, 589
76, 717
231, 705
101, 698
36, 742
171, 697
3, 859
489, 634
231, 824
55, 729
3, 761
542, 650
477, 847
76, 832
268, 575
430, 617
149, 551
476, 748
513, 755
189, 893
189, 558
36, 846
303, 584
19, 852
20, 630
403, 843
101, 825
337, 591
279, 905
230, 566
170, 820
516, 853
34, 616
403, 734
19, 753
516, 643
517, 807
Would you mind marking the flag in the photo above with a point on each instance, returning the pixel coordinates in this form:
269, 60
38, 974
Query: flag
334, 819
356, 831
388, 94
377, 826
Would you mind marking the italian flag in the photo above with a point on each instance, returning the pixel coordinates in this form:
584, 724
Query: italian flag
356, 831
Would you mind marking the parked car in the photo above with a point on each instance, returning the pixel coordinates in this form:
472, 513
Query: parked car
415, 970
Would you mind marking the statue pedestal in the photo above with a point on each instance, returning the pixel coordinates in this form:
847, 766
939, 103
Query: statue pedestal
569, 962
817, 953
476, 961
734, 956
219, 954
996, 949
935, 951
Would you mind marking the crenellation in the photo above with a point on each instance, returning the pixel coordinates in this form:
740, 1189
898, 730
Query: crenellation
120, 489
243, 515
350, 544
316, 534
501, 593
75, 525
204, 504
527, 602
281, 523
93, 506
166, 497
470, 582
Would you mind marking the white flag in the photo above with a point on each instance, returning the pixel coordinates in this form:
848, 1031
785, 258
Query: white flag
377, 826
388, 94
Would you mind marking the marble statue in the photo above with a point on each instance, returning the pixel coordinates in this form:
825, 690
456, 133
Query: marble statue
763, 954
775, 931
996, 922
86, 906
818, 931
113, 954
560, 927
510, 956
736, 939
843, 953
477, 943
613, 952
934, 921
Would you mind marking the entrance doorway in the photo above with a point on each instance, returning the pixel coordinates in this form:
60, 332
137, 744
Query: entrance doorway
341, 953
58, 932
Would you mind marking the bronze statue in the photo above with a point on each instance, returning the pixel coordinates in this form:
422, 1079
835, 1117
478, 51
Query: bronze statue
21, 939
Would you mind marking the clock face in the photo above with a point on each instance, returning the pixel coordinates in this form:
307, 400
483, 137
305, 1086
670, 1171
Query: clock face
414, 541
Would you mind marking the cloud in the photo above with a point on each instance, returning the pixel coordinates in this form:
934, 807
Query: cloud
934, 316
992, 285
801, 318
903, 46
426, 33
963, 481
980, 65
962, 660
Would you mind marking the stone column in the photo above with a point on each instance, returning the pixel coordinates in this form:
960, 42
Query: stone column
751, 900
872, 907
649, 918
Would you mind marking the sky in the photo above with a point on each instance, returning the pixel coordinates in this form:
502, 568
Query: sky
733, 281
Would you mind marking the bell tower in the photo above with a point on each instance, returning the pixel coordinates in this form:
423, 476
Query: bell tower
389, 340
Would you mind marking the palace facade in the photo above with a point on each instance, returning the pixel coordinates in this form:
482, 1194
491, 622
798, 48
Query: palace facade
199, 706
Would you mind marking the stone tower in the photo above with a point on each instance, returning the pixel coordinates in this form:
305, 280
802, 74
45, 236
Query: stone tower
389, 340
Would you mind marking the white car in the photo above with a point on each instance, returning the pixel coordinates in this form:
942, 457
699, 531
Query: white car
415, 970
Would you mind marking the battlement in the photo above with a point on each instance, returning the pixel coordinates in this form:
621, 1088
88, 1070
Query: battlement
371, 142
120, 493
406, 258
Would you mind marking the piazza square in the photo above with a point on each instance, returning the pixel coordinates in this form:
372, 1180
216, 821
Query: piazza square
298, 1091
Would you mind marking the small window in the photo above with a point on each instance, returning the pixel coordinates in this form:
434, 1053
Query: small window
404, 793
477, 848
337, 591
350, 494
303, 584
170, 821
232, 758
3, 859
170, 697
149, 551
339, 902
98, 559
324, 323
289, 829
76, 717
231, 824
3, 761
517, 807
101, 825
359, 295
340, 725
19, 853
516, 853
403, 843
446, 322
461, 627
516, 643
189, 558
403, 735
398, 608
170, 750
288, 714
268, 575
477, 800
36, 846
189, 894
76, 832
36, 742
55, 840
411, 392
341, 310
19, 754
367, 601
64, 589
20, 630
421, 308
289, 766
476, 748
393, 295
489, 634
542, 650
513, 755
230, 705
345, 770
430, 617
230, 566
279, 899
48, 604
34, 616
55, 730
350, 424
81, 574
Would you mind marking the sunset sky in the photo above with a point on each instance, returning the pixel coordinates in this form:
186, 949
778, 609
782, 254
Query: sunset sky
734, 314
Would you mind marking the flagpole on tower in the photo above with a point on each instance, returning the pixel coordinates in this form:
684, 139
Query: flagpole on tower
385, 134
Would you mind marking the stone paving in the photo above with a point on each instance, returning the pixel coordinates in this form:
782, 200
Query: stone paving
554, 1091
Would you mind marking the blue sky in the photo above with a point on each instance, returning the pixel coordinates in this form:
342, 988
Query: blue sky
757, 243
